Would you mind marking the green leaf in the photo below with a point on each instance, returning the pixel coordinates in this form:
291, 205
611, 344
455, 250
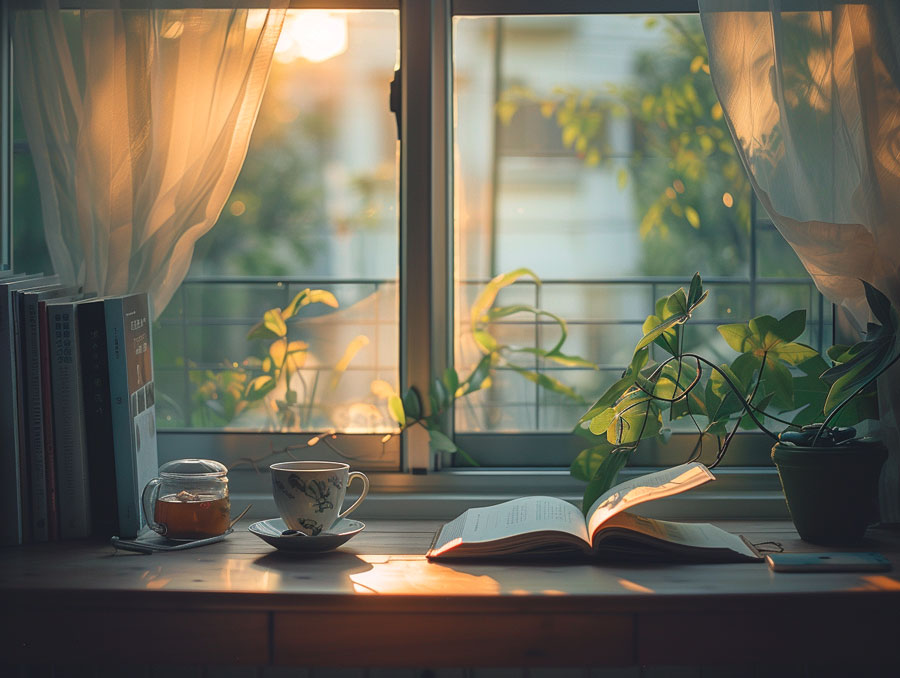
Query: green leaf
451, 381
440, 442
676, 304
837, 353
695, 292
656, 331
779, 384
810, 392
548, 383
485, 341
764, 330
395, 407
814, 366
486, 299
481, 372
608, 399
791, 326
260, 331
737, 336
439, 396
259, 387
881, 306
866, 365
412, 403
793, 353
587, 463
605, 478
568, 360
602, 421
637, 417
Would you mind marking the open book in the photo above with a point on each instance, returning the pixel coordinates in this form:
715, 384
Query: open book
548, 525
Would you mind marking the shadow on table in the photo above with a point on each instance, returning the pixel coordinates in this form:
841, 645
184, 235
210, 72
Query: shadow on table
331, 570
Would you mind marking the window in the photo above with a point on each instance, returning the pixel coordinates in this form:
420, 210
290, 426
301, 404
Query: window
585, 147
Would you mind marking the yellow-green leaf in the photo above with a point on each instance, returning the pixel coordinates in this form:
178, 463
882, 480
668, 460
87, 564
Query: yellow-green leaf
273, 322
395, 407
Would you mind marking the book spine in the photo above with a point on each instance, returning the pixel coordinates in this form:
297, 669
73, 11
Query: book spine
37, 463
21, 428
128, 494
10, 491
47, 421
68, 417
91, 322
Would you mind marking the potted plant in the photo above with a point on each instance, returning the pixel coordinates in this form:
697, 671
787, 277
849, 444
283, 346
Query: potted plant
829, 474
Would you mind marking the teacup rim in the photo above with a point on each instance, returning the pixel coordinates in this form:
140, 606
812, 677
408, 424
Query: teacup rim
309, 466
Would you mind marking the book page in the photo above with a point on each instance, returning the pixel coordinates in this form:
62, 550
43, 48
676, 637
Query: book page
512, 518
696, 535
646, 488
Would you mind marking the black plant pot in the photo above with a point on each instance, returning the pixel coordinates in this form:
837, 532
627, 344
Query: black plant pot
831, 492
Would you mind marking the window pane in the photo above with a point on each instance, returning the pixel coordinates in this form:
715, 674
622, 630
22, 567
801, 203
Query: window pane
315, 207
592, 150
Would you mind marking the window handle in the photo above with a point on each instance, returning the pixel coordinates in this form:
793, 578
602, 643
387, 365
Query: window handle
396, 103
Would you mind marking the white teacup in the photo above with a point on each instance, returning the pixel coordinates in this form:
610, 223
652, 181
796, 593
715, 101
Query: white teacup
309, 494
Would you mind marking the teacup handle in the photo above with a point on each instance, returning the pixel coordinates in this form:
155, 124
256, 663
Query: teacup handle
148, 499
365, 491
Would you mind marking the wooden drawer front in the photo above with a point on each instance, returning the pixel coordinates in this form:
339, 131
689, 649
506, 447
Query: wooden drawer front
134, 636
735, 637
399, 639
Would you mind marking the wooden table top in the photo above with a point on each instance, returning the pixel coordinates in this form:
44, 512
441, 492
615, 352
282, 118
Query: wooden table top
382, 578
387, 559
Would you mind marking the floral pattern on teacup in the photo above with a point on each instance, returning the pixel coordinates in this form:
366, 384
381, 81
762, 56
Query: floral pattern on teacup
316, 490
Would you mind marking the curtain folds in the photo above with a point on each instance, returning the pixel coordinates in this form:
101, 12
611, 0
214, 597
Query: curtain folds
811, 93
138, 121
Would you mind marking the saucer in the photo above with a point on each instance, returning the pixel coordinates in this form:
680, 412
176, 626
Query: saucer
270, 532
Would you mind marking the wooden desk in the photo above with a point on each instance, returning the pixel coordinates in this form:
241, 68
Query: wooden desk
242, 602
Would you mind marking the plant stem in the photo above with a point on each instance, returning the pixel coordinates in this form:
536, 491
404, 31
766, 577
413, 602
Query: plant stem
747, 407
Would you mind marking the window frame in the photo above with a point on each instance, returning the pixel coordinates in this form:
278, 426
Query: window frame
426, 282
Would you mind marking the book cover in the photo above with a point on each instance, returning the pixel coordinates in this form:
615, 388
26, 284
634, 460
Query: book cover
71, 469
132, 404
98, 436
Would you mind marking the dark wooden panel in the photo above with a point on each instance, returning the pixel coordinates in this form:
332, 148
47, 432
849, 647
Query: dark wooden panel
432, 639
70, 636
786, 633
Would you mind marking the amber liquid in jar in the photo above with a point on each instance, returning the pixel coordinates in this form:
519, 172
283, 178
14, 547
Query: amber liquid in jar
193, 516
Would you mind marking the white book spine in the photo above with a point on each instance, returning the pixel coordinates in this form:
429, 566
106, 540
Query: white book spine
68, 418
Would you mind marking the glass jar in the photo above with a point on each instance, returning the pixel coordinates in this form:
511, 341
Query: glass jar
189, 499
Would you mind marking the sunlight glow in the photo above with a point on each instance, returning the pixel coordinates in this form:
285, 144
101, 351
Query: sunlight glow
315, 35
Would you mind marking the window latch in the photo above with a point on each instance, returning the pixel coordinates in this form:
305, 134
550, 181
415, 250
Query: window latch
396, 104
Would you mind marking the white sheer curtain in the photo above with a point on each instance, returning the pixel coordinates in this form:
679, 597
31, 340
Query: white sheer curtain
138, 121
811, 92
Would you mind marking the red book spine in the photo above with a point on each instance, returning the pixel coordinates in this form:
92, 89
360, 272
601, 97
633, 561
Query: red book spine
47, 407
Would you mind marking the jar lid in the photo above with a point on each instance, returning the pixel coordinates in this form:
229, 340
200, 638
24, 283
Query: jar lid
193, 467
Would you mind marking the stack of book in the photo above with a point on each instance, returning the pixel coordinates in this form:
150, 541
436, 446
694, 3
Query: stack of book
77, 420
